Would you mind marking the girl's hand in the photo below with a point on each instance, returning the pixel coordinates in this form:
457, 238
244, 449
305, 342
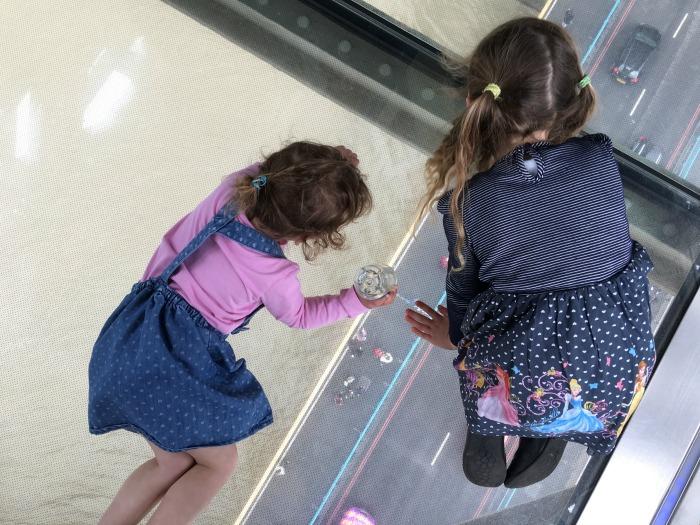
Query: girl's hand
384, 301
434, 329
349, 155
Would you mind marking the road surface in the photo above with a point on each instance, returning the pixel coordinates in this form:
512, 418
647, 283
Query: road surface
665, 105
396, 449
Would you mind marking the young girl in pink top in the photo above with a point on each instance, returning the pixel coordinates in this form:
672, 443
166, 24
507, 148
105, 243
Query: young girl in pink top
161, 366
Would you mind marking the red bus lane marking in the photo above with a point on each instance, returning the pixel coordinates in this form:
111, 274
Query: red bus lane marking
683, 140
379, 435
612, 36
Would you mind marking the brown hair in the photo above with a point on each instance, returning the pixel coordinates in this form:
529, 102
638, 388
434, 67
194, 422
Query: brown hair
312, 191
535, 64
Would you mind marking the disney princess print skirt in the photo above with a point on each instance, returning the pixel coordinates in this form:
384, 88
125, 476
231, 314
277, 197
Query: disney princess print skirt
570, 364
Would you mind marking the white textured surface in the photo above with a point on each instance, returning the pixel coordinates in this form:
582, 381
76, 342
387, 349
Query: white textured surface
456, 25
115, 119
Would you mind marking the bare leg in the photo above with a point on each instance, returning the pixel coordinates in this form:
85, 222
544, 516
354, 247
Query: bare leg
146, 485
195, 489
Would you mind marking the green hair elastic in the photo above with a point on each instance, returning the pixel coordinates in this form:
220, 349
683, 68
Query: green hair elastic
585, 81
494, 89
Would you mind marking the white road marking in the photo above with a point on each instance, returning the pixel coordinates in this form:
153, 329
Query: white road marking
680, 25
551, 8
413, 238
440, 449
634, 108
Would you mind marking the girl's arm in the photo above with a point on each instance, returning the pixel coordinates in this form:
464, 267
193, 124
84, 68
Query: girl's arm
461, 285
286, 302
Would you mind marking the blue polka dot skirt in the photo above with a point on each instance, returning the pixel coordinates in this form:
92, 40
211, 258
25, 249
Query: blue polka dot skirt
158, 368
569, 364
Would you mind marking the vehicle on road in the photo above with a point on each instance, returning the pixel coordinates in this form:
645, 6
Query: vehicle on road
357, 516
352, 387
647, 149
636, 53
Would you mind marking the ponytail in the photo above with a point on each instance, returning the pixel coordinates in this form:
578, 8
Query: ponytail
245, 195
471, 145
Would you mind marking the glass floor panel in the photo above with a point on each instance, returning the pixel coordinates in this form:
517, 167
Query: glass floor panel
127, 117
385, 433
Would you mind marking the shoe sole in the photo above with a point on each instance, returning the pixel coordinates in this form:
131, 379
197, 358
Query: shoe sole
539, 469
484, 460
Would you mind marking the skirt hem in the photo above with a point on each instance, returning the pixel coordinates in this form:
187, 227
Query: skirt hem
138, 430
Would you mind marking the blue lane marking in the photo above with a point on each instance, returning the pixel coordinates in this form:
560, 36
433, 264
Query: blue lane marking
369, 424
509, 499
600, 31
685, 171
505, 495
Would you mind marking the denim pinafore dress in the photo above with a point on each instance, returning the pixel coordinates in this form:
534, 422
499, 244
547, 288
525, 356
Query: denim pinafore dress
158, 368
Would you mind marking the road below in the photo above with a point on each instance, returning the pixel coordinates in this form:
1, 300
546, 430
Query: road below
665, 105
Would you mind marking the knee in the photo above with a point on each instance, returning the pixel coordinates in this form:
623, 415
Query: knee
221, 460
175, 464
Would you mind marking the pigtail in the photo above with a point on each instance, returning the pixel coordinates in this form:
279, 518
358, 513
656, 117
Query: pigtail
245, 196
471, 145
483, 133
438, 167
577, 93
573, 118
583, 109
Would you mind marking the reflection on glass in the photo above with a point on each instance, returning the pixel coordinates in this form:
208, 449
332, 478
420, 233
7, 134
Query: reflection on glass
26, 129
112, 96
138, 46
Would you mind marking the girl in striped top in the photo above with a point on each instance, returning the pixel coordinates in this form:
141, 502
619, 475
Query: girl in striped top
547, 294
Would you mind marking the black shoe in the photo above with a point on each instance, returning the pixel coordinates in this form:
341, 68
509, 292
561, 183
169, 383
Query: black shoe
484, 460
534, 460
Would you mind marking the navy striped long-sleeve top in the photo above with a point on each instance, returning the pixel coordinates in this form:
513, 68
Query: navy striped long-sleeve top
545, 217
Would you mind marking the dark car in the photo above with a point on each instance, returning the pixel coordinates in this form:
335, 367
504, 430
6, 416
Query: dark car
636, 53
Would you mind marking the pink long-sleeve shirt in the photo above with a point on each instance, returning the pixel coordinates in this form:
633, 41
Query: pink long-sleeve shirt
225, 280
